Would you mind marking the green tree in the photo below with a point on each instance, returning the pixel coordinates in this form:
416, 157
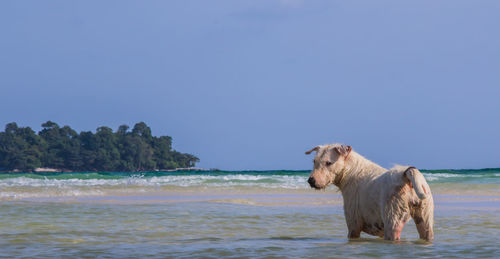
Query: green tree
52, 150
108, 156
163, 155
19, 148
137, 154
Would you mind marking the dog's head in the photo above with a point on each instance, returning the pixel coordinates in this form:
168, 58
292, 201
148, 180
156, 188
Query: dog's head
328, 164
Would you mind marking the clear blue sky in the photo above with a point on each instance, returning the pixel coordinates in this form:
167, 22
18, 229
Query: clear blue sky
254, 84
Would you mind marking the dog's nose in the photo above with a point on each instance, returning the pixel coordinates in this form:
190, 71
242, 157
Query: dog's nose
311, 181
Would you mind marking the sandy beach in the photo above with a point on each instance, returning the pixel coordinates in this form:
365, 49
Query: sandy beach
443, 198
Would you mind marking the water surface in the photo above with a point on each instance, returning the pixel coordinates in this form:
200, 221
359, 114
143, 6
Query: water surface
227, 214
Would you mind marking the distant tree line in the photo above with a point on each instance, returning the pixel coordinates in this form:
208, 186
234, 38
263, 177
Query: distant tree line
63, 148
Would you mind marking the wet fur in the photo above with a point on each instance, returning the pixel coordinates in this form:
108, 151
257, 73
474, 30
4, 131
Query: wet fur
377, 201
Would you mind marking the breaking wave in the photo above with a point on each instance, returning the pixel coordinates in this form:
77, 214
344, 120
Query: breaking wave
26, 185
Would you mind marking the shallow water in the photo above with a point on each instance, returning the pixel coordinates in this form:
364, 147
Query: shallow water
218, 229
70, 217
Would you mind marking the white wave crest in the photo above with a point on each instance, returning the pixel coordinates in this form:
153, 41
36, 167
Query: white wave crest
441, 176
272, 181
25, 187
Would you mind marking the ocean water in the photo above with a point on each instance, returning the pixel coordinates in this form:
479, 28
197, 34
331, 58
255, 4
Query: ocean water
214, 214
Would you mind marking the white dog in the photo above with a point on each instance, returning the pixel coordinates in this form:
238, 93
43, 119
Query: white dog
377, 201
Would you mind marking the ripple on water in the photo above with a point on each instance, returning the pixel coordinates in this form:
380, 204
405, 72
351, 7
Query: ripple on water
211, 229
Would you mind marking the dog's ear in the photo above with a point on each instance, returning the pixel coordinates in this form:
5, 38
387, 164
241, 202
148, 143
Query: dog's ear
343, 150
316, 148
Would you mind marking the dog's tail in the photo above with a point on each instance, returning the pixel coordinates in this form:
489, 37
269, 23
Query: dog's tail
418, 181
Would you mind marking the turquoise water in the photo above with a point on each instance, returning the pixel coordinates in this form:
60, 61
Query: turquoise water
214, 214
278, 178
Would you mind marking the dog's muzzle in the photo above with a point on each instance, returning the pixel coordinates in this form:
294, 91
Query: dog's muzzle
312, 182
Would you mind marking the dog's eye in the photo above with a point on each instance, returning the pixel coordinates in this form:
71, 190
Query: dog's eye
328, 163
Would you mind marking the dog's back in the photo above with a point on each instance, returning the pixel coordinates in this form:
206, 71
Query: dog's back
388, 201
